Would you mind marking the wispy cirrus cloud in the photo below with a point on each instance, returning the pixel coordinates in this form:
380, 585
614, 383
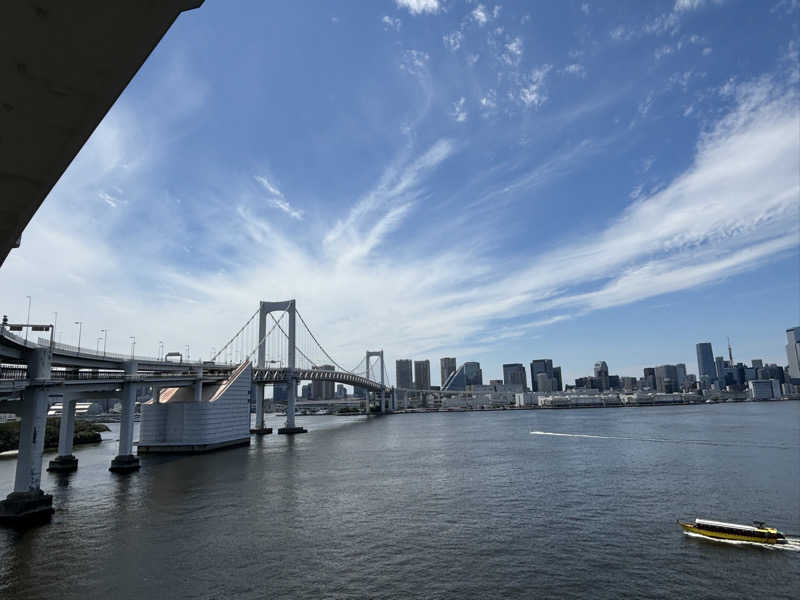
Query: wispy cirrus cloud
277, 199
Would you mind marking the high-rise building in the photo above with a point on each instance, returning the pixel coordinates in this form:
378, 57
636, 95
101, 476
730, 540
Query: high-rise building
473, 373
514, 374
559, 384
305, 391
601, 374
341, 391
322, 390
706, 366
280, 392
757, 363
649, 378
793, 354
447, 365
544, 383
540, 365
422, 374
666, 378
403, 374
681, 368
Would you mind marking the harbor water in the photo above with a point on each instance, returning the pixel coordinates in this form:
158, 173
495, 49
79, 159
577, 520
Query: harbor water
457, 505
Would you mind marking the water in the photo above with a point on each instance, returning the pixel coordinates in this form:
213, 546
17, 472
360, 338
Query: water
460, 505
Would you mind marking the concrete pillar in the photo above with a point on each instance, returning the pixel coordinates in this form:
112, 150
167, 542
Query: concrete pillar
27, 502
291, 428
257, 393
125, 461
156, 393
65, 462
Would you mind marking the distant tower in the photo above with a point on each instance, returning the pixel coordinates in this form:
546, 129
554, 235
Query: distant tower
706, 367
730, 352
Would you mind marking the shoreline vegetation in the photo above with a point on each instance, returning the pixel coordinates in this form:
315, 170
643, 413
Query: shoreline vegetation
85, 433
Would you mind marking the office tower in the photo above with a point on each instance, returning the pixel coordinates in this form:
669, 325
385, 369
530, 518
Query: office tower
559, 384
540, 365
280, 392
757, 363
403, 374
681, 368
666, 378
793, 354
650, 378
447, 366
515, 374
706, 366
601, 374
322, 390
544, 383
341, 391
422, 374
473, 373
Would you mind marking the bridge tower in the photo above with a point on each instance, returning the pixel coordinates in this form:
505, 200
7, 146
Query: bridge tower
265, 308
382, 398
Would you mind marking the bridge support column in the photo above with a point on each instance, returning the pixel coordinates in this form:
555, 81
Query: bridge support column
65, 462
257, 393
28, 503
291, 428
125, 461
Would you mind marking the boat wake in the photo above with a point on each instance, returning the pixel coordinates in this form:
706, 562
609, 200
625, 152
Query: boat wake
792, 545
665, 440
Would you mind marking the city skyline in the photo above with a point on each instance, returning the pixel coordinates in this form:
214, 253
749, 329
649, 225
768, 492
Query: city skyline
483, 184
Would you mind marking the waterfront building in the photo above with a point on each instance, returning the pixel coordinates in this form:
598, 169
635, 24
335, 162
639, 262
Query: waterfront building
629, 384
559, 383
447, 366
422, 374
322, 390
757, 363
649, 379
793, 354
705, 361
515, 374
765, 389
681, 369
468, 374
601, 374
544, 383
280, 393
305, 391
341, 391
541, 365
666, 379
403, 374
473, 373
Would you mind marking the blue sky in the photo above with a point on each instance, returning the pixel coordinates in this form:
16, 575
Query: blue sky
495, 182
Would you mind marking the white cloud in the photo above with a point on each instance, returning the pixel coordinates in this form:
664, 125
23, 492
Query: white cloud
707, 51
278, 200
415, 62
108, 199
663, 51
513, 51
458, 111
417, 7
489, 100
585, 8
479, 15
390, 23
532, 93
453, 40
575, 69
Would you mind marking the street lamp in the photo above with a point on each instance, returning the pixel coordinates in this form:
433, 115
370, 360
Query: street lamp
105, 339
133, 344
80, 328
28, 319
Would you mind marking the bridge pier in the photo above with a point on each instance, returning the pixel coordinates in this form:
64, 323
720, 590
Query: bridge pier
28, 503
125, 461
65, 462
291, 428
257, 393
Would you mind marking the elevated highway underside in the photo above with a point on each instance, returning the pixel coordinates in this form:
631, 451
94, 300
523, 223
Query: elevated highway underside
62, 67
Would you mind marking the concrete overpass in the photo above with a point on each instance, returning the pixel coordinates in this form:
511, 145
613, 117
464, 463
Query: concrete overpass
62, 67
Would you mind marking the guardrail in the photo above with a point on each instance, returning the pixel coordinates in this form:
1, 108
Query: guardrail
13, 372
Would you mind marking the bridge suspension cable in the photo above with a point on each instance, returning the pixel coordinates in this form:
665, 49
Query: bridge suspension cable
235, 336
313, 337
303, 354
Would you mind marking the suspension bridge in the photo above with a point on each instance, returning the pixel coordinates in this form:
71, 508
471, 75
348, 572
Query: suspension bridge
188, 406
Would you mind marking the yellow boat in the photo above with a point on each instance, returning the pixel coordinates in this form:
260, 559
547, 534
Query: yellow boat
757, 532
